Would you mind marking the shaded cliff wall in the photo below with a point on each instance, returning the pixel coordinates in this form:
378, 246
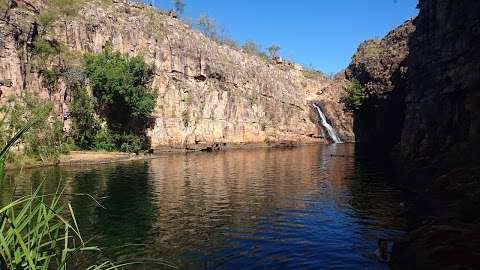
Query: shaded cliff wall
442, 116
379, 66
208, 93
424, 78
440, 143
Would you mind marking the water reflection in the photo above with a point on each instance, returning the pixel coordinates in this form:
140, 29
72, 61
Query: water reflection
298, 208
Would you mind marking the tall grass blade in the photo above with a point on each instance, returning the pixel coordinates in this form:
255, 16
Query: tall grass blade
15, 139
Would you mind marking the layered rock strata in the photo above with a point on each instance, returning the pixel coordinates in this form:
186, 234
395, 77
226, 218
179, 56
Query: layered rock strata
208, 92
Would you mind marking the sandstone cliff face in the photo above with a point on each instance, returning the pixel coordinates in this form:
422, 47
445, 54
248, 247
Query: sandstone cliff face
379, 65
442, 116
440, 140
208, 93
425, 78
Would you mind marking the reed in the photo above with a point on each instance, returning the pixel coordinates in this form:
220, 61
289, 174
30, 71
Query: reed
34, 233
20, 133
40, 231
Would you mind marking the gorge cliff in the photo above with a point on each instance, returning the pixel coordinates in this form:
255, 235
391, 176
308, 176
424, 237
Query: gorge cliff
207, 92
423, 104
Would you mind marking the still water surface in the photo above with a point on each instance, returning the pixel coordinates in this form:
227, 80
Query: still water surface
315, 207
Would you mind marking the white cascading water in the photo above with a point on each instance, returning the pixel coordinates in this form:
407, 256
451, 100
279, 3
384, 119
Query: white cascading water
323, 120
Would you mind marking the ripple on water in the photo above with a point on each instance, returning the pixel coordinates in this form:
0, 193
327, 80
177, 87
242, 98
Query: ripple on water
319, 207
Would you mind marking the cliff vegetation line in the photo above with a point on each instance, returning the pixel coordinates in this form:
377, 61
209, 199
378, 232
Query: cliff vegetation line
187, 84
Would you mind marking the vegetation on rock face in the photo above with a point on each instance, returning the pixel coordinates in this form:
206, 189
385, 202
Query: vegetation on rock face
122, 97
46, 18
356, 94
208, 26
120, 85
43, 48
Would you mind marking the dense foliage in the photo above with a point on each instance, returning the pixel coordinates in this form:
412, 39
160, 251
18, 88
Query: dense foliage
85, 124
120, 86
356, 94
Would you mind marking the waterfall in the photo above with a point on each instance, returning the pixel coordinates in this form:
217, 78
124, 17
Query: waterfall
327, 126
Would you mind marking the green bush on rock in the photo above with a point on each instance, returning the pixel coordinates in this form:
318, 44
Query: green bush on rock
121, 87
356, 94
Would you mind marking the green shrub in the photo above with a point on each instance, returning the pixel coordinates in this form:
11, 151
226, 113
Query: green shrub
85, 124
49, 78
128, 142
273, 51
43, 48
253, 48
88, 133
356, 94
105, 141
110, 141
120, 85
230, 42
47, 17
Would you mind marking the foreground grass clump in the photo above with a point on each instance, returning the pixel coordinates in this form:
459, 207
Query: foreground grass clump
34, 234
39, 231
44, 141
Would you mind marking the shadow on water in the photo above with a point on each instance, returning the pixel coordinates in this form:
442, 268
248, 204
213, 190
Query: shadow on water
297, 208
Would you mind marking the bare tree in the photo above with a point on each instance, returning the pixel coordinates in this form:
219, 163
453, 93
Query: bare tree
273, 51
179, 6
208, 26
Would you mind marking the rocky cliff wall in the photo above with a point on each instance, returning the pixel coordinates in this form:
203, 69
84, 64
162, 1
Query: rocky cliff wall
442, 116
440, 140
208, 92
429, 69
379, 66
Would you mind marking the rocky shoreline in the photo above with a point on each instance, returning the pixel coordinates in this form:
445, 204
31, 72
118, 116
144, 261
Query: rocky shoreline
87, 158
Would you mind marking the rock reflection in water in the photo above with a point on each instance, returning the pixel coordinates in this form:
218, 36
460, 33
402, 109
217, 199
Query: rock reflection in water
300, 208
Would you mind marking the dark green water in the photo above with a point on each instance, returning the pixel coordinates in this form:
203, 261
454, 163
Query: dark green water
316, 207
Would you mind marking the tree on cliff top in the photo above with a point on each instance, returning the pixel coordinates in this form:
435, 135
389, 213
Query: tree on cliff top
251, 47
179, 6
273, 51
208, 26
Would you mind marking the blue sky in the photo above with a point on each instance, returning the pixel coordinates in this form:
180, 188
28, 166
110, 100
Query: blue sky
323, 34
